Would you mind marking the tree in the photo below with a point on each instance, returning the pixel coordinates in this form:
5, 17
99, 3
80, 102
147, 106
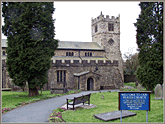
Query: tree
150, 44
131, 64
30, 34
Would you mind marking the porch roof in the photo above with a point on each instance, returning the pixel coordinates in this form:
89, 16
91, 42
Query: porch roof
85, 72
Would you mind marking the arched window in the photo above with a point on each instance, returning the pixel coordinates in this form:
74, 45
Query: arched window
72, 54
90, 54
69, 53
66, 53
110, 27
96, 28
85, 54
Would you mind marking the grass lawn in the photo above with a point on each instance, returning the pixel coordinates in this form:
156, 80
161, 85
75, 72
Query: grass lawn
13, 99
110, 103
130, 84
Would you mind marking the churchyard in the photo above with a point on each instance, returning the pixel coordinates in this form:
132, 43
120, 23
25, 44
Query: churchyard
109, 103
104, 102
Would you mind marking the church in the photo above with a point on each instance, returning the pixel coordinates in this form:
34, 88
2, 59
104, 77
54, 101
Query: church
86, 66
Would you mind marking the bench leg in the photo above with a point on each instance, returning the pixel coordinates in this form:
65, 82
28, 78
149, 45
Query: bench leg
67, 106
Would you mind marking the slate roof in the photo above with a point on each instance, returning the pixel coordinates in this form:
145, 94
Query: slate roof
82, 73
79, 45
71, 45
85, 72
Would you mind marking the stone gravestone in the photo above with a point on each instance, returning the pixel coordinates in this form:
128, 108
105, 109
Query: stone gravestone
139, 87
114, 115
136, 84
158, 92
26, 87
121, 88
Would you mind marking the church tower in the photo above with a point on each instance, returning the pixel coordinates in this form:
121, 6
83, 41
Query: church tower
106, 32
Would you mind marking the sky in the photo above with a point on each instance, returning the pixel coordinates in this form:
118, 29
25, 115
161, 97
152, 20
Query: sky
73, 21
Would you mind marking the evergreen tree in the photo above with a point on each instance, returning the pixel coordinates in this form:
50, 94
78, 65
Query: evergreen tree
131, 64
30, 34
150, 44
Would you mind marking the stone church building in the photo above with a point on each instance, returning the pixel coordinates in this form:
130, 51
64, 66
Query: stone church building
86, 65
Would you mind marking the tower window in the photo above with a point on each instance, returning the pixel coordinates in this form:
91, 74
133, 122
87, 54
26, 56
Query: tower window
96, 28
110, 27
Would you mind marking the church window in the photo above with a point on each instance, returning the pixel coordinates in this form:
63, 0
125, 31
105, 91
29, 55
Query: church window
110, 27
88, 54
61, 76
111, 41
64, 76
66, 53
69, 53
96, 28
3, 52
57, 76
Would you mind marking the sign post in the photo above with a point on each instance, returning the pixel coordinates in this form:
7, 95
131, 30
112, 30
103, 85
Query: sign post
147, 116
121, 116
134, 100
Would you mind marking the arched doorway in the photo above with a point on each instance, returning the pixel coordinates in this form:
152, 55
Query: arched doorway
90, 84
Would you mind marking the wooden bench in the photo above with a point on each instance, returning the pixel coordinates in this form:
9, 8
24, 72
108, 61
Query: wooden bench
78, 100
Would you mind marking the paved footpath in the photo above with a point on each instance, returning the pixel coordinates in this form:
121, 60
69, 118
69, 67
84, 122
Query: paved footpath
39, 111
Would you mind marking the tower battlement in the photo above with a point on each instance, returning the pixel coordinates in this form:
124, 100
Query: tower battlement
107, 18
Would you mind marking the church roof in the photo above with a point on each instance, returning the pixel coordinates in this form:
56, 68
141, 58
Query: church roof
79, 45
71, 45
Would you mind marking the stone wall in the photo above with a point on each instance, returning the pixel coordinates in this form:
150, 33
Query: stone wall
78, 53
110, 74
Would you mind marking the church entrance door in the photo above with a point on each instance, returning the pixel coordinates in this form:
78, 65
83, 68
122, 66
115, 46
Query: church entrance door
90, 84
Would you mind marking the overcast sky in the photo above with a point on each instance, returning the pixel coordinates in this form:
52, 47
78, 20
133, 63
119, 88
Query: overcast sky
73, 21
